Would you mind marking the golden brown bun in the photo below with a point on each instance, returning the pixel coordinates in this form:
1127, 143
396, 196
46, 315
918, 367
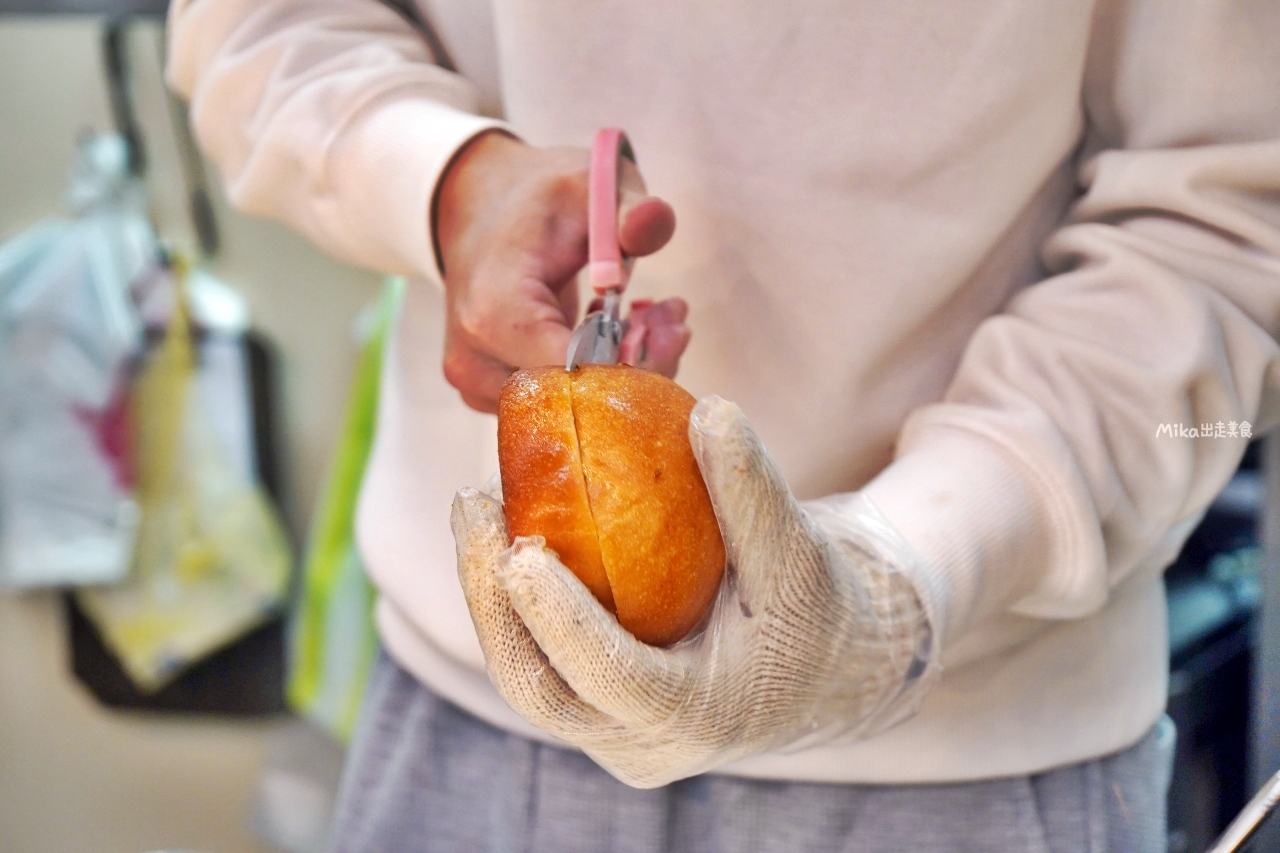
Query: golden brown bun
598, 462
543, 489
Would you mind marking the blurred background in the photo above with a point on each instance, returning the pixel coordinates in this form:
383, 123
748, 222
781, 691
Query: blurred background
181, 651
78, 773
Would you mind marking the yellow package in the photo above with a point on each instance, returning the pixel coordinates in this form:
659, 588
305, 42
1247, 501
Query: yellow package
211, 560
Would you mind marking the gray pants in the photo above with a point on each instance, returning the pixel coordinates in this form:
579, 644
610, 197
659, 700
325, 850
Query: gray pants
423, 775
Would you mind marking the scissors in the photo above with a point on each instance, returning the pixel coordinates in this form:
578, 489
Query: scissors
603, 336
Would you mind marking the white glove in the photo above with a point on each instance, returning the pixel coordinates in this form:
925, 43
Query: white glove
817, 631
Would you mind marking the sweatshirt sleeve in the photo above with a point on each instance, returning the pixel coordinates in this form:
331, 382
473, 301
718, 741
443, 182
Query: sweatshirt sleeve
1061, 459
327, 115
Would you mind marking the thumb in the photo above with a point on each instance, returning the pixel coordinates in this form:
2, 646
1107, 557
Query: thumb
764, 528
645, 224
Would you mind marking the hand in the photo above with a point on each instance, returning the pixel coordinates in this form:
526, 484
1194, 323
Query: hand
817, 632
512, 227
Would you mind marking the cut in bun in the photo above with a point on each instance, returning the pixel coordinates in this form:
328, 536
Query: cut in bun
597, 461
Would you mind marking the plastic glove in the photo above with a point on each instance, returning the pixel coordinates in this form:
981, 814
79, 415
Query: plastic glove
817, 631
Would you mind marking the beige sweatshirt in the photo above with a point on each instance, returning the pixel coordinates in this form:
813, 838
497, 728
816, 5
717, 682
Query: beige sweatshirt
968, 256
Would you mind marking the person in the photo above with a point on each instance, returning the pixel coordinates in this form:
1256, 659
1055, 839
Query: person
957, 266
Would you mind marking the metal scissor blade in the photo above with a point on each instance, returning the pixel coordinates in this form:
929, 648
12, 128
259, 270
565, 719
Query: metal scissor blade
597, 340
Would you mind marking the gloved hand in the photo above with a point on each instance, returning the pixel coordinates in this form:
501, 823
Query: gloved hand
817, 631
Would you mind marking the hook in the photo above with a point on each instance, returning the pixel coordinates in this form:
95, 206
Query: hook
115, 57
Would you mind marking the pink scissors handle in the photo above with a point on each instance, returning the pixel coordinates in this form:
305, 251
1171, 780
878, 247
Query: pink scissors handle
607, 269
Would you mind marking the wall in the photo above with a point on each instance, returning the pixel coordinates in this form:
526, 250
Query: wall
74, 777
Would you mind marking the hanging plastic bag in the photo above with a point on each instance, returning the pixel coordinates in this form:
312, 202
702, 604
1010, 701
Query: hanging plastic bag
67, 333
332, 640
211, 560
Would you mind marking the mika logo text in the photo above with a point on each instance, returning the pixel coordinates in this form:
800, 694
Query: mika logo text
1222, 429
